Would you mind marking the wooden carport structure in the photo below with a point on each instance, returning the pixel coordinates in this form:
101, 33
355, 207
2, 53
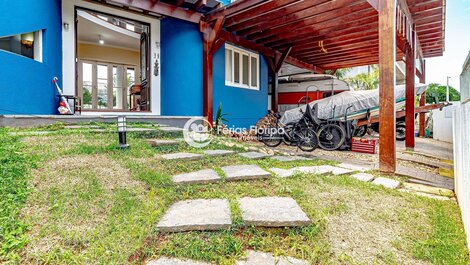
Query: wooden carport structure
321, 35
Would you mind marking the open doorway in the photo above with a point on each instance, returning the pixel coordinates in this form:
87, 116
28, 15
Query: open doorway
112, 62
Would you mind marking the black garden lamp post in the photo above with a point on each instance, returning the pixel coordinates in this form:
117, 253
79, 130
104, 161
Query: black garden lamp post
121, 124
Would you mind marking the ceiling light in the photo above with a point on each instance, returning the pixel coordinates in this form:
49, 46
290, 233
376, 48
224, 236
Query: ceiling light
101, 41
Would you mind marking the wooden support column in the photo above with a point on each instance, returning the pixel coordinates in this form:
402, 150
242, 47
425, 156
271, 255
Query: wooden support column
208, 105
410, 95
275, 65
387, 53
422, 103
211, 43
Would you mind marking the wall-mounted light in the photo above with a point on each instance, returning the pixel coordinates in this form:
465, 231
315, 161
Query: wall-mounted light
101, 41
66, 26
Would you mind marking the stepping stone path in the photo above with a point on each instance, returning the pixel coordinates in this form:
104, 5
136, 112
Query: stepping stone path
245, 172
289, 158
173, 261
354, 167
218, 152
161, 142
272, 212
198, 177
254, 155
386, 182
261, 258
363, 177
284, 173
182, 156
201, 215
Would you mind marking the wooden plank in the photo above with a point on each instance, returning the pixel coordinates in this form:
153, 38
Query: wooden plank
387, 46
422, 103
208, 105
161, 8
410, 96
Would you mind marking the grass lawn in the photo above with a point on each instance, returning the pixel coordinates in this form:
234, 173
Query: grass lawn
71, 197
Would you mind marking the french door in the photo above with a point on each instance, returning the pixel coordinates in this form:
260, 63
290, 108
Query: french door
104, 86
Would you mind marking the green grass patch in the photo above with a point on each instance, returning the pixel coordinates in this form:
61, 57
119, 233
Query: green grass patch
14, 169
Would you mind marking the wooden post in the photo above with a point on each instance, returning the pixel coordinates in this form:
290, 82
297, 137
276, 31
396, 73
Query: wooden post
387, 48
275, 93
422, 102
410, 95
208, 106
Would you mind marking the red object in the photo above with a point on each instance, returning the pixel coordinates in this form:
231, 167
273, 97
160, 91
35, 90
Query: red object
62, 104
368, 146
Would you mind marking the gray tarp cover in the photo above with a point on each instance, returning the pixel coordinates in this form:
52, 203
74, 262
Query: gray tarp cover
359, 100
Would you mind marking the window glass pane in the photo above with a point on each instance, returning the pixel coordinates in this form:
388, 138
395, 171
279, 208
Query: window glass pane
228, 65
118, 87
87, 81
102, 86
21, 44
236, 66
246, 69
254, 72
130, 82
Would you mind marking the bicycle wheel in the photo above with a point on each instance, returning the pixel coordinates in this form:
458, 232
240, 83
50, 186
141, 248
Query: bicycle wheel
308, 140
271, 137
331, 137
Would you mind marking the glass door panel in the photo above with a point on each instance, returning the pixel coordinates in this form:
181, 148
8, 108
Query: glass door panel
87, 85
119, 95
102, 82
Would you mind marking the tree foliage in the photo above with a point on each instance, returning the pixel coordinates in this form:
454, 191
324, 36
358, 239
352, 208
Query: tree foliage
439, 91
365, 81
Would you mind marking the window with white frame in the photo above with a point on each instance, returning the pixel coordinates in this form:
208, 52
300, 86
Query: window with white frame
241, 68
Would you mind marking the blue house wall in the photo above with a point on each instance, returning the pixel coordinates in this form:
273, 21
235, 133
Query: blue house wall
181, 60
244, 107
182, 78
25, 84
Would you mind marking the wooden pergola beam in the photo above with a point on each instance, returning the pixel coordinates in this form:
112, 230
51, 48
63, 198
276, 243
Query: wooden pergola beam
232, 9
387, 45
160, 8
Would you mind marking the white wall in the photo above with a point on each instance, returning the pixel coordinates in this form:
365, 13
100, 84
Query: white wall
68, 47
462, 162
442, 123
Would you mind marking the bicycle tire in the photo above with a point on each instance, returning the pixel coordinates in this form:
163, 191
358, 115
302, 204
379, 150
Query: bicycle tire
331, 136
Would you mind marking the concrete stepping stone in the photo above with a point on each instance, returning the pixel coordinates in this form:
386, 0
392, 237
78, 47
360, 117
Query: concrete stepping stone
338, 171
200, 215
282, 173
218, 152
173, 261
245, 172
427, 195
254, 155
199, 177
161, 142
171, 129
75, 127
386, 182
272, 212
354, 167
289, 158
363, 177
141, 130
261, 258
428, 189
182, 156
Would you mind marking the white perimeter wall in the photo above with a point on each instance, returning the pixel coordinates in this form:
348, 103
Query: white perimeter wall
442, 123
68, 47
462, 148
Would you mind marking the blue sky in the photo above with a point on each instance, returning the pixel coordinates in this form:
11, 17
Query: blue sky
457, 45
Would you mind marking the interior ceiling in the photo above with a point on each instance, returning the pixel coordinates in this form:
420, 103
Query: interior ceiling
89, 32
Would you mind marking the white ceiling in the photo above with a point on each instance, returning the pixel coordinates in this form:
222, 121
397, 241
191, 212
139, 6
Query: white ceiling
89, 32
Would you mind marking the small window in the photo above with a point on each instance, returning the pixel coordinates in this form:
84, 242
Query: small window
28, 45
241, 68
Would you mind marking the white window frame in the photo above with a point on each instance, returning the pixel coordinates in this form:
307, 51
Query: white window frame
250, 55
